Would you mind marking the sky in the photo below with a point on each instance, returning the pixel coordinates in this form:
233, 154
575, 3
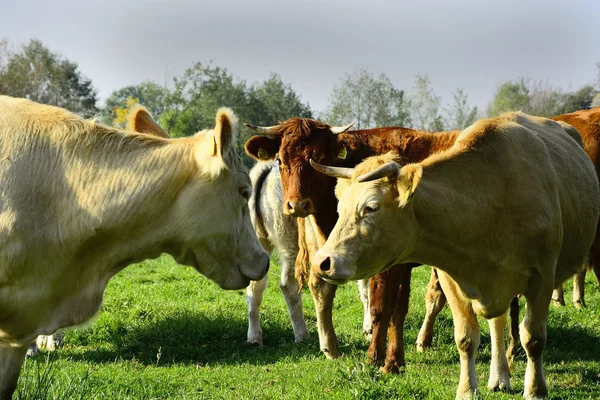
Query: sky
470, 44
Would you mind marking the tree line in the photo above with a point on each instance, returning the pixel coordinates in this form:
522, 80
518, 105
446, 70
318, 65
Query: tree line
189, 102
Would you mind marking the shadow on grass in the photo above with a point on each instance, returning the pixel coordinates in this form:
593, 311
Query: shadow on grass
192, 339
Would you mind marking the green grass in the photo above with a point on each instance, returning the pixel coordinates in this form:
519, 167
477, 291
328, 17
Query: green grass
166, 332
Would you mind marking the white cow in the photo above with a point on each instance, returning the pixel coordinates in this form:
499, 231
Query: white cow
511, 208
275, 231
81, 201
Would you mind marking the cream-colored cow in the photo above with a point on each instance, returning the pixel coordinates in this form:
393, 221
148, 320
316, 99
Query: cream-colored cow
511, 208
80, 201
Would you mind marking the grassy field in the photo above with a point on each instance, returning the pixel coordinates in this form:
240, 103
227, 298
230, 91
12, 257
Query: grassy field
165, 332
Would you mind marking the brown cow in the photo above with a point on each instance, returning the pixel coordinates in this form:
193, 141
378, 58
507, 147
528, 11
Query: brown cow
306, 192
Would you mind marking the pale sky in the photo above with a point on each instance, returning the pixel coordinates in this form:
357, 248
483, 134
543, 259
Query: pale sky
469, 44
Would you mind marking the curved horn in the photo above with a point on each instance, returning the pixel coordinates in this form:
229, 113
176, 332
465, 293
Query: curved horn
389, 170
265, 130
336, 172
341, 129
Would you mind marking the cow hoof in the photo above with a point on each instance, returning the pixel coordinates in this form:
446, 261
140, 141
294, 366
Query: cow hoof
302, 337
468, 396
500, 386
255, 338
421, 347
32, 351
392, 368
331, 354
558, 302
579, 305
49, 342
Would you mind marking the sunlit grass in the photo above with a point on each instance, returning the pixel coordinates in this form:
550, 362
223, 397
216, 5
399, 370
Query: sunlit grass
165, 332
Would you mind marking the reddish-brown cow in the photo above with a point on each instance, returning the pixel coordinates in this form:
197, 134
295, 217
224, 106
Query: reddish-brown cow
296, 141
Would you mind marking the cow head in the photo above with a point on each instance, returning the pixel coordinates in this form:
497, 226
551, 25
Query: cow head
293, 143
374, 202
215, 233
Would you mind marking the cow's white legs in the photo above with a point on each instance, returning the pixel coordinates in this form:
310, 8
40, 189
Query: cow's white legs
323, 294
579, 288
466, 335
499, 371
558, 296
363, 288
533, 339
290, 288
11, 360
254, 296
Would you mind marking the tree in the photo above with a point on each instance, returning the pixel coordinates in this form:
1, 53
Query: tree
460, 114
36, 73
274, 101
368, 101
148, 93
425, 106
538, 98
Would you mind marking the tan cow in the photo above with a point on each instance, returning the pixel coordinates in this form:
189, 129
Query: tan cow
81, 201
511, 208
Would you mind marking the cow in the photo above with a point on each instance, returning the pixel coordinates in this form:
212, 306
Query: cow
587, 123
81, 201
273, 229
511, 208
310, 194
139, 120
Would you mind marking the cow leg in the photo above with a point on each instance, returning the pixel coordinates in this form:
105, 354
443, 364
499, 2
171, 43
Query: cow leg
363, 288
514, 333
11, 361
323, 294
395, 350
466, 335
579, 288
384, 287
254, 297
290, 288
595, 257
558, 296
499, 372
434, 303
533, 339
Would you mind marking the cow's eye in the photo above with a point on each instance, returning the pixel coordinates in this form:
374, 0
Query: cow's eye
370, 208
245, 192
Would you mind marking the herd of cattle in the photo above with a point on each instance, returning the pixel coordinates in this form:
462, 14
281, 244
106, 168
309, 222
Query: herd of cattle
507, 208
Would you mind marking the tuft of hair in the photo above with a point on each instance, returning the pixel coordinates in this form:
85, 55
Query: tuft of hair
367, 165
302, 270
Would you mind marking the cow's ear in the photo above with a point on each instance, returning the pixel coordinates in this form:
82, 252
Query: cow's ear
225, 131
262, 148
408, 180
140, 120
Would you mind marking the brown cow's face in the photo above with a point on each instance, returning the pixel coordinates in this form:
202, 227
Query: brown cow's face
293, 144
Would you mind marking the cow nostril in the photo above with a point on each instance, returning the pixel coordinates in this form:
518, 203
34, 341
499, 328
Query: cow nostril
325, 264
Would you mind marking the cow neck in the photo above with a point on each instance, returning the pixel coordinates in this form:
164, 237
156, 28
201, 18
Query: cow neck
411, 145
326, 215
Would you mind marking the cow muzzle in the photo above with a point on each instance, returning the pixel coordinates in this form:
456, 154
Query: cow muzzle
330, 269
299, 208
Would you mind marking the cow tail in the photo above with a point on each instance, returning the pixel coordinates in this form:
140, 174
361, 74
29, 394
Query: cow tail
303, 258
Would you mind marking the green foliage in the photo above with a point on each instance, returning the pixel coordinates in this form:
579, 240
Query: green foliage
537, 98
165, 332
36, 73
149, 94
460, 114
367, 100
425, 106
191, 104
